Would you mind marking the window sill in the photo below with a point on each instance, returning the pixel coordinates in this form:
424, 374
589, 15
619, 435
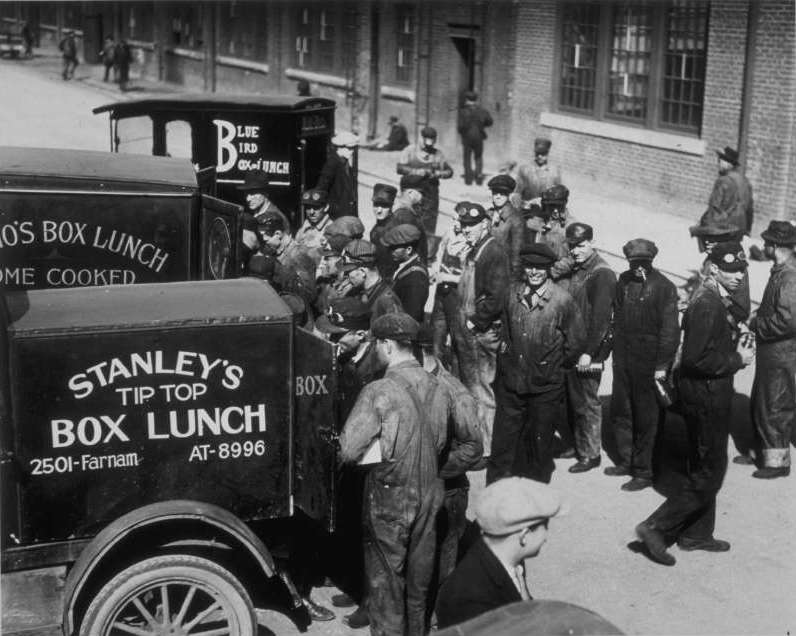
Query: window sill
189, 53
139, 44
238, 62
642, 136
319, 78
397, 93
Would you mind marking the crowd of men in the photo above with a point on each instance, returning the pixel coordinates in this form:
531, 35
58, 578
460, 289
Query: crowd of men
503, 372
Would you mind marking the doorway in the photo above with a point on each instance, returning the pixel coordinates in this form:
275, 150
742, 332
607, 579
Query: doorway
465, 65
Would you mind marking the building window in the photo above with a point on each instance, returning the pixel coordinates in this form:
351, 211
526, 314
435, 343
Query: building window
641, 63
405, 39
243, 34
186, 28
325, 36
326, 40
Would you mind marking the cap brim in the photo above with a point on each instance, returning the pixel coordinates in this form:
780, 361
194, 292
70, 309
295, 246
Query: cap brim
768, 238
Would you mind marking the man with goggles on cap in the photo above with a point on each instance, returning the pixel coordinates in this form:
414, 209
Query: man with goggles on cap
712, 354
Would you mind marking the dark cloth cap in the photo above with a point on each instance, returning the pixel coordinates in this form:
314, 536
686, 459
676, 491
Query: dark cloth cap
537, 255
344, 315
349, 226
729, 256
429, 132
541, 145
384, 193
404, 234
782, 233
254, 180
314, 198
640, 248
470, 213
502, 183
392, 119
270, 222
262, 265
578, 232
471, 96
717, 233
729, 155
413, 181
395, 326
358, 253
556, 194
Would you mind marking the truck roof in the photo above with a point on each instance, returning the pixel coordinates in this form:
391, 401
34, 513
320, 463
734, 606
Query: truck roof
144, 306
48, 167
212, 101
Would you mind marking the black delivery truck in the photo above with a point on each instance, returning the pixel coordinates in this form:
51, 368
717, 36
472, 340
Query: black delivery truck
150, 436
76, 218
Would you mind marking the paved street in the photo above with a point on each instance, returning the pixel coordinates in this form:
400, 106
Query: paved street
749, 590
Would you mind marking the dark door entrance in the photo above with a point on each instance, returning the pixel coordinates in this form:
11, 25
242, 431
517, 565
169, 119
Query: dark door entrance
465, 68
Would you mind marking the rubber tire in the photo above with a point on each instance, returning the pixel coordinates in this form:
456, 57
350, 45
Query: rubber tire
160, 569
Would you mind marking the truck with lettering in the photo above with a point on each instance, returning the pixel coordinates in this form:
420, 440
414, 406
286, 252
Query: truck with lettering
76, 218
151, 435
286, 136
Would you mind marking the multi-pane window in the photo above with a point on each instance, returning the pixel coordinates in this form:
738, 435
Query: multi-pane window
636, 62
186, 28
244, 32
326, 39
137, 23
304, 37
405, 41
325, 36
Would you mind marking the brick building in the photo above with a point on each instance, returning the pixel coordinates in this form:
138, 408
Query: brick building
635, 95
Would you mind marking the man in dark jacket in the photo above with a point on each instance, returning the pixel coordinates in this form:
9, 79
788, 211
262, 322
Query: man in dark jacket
427, 161
398, 420
593, 286
508, 224
365, 280
388, 218
543, 335
471, 124
410, 278
534, 178
731, 199
68, 47
475, 328
337, 177
710, 359
774, 326
646, 336
513, 514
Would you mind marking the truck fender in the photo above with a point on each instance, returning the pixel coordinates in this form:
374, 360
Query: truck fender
146, 517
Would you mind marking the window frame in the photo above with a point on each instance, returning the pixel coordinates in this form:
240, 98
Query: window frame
401, 11
658, 51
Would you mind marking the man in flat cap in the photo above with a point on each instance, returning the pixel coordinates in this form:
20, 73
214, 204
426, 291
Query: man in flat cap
68, 48
329, 279
476, 325
427, 161
275, 235
396, 138
386, 219
534, 178
731, 199
774, 326
410, 196
410, 278
337, 176
255, 191
316, 219
646, 337
592, 284
712, 354
472, 122
508, 224
544, 225
360, 268
543, 335
398, 419
513, 514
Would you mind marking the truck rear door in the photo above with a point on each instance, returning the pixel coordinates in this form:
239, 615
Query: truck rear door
221, 239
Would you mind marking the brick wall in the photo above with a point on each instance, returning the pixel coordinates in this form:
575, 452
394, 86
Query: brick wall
770, 161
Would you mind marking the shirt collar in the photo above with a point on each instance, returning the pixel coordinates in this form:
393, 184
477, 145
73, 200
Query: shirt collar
537, 298
405, 265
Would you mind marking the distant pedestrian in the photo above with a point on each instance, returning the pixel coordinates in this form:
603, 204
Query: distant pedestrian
514, 515
122, 56
731, 200
534, 178
107, 54
646, 337
427, 161
337, 177
68, 47
303, 88
397, 138
471, 124
27, 39
712, 354
774, 326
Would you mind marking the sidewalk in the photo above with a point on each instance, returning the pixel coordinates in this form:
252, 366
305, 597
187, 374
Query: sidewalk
615, 220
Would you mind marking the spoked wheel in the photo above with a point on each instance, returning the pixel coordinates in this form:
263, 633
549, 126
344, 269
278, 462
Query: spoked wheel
174, 595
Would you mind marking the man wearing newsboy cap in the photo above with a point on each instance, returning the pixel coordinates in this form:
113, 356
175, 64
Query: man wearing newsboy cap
774, 326
731, 199
710, 358
337, 176
513, 514
542, 335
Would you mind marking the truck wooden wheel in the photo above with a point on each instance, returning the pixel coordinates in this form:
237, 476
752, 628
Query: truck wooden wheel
174, 595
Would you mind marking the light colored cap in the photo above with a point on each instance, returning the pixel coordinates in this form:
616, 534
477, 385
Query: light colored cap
514, 503
345, 139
